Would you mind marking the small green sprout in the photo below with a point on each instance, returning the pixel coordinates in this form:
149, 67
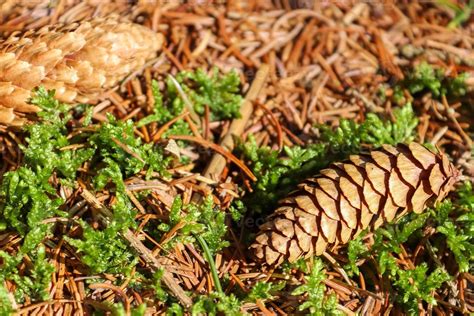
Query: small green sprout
414, 285
318, 303
216, 304
114, 136
264, 290
355, 250
219, 92
459, 231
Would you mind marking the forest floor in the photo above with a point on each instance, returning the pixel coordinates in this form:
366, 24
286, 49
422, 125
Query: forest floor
144, 188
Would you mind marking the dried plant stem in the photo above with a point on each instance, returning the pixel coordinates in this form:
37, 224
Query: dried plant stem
140, 248
186, 100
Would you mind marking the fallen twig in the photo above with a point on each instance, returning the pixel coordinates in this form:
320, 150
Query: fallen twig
140, 248
217, 163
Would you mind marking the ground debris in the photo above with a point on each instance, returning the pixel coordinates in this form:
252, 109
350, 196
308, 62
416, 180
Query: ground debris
327, 70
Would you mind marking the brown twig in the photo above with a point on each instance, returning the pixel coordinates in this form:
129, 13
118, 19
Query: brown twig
144, 252
218, 162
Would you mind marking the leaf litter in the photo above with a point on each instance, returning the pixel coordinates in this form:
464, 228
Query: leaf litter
341, 79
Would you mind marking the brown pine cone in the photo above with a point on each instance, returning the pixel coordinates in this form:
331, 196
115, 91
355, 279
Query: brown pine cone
346, 198
80, 61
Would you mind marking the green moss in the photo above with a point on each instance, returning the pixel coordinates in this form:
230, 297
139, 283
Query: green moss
424, 78
104, 251
456, 222
204, 220
110, 140
219, 92
264, 290
35, 282
417, 284
6, 307
216, 304
28, 197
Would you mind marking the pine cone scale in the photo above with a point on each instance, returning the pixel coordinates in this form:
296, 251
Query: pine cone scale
307, 222
304, 240
279, 242
372, 198
320, 246
345, 234
305, 203
349, 213
377, 177
354, 173
295, 251
350, 191
422, 155
382, 160
319, 197
436, 179
389, 209
365, 217
328, 228
285, 226
411, 173
364, 192
398, 189
420, 198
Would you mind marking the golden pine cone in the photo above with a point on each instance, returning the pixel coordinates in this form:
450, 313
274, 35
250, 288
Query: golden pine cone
80, 61
346, 198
